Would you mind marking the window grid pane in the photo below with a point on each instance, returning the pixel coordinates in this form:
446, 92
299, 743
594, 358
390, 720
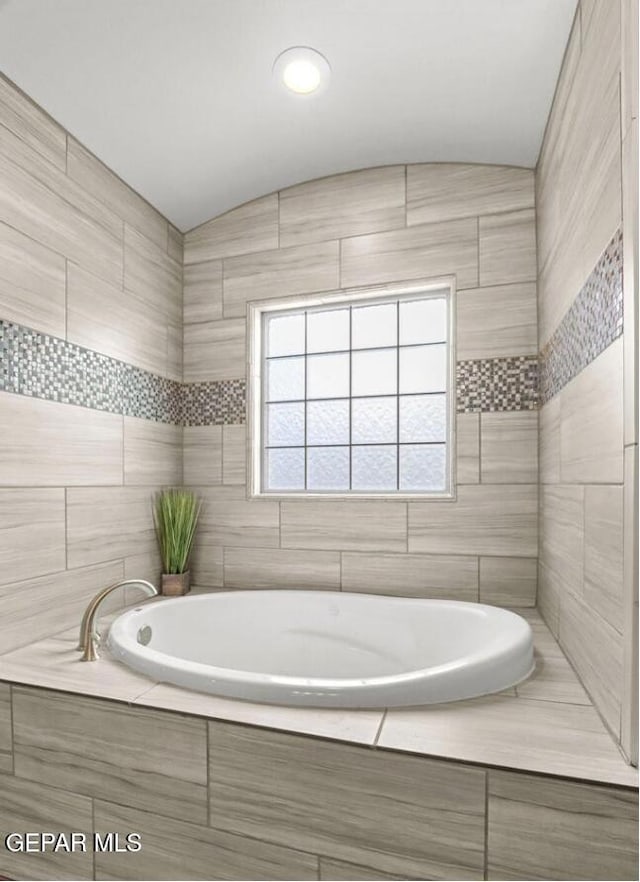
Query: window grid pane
414, 442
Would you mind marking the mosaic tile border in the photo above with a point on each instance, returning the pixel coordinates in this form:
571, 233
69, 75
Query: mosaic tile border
219, 402
487, 385
592, 322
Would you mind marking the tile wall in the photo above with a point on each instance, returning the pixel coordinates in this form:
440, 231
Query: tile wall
90, 364
586, 497
369, 227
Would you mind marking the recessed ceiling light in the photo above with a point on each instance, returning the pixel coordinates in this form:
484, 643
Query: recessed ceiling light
302, 70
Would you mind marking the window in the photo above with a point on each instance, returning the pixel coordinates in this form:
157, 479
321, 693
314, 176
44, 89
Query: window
350, 395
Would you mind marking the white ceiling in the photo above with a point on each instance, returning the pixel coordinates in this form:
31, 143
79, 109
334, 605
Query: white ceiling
178, 98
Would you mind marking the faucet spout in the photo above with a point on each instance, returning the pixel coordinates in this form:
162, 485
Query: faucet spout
87, 643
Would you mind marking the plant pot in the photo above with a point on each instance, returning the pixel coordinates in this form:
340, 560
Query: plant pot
175, 584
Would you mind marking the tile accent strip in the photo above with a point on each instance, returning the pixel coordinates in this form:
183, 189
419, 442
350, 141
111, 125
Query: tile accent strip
485, 385
220, 402
592, 322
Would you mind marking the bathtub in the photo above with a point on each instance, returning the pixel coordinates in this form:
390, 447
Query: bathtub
325, 648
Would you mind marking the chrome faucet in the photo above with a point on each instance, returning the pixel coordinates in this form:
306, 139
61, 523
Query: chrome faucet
88, 643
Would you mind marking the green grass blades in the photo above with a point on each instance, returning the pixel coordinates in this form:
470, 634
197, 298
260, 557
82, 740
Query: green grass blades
175, 514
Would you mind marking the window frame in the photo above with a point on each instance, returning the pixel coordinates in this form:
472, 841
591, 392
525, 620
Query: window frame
359, 296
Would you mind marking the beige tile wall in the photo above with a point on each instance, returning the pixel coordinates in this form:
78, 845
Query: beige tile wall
86, 259
579, 195
370, 227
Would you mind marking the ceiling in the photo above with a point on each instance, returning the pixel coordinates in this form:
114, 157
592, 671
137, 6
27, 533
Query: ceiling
177, 96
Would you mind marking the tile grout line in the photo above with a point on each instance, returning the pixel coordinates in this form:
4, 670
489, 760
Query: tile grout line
379, 732
486, 824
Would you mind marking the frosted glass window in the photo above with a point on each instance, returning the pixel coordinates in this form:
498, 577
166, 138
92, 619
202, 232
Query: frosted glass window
374, 372
328, 422
423, 369
375, 326
285, 425
328, 468
374, 420
353, 397
327, 376
328, 331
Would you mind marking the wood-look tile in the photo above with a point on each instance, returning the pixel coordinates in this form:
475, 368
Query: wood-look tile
468, 448
46, 216
438, 191
234, 454
251, 227
179, 850
136, 756
152, 452
54, 663
32, 533
596, 652
36, 608
553, 680
629, 65
562, 533
146, 566
405, 815
591, 426
32, 125
368, 201
94, 176
544, 641
499, 730
348, 526
151, 275
58, 444
174, 350
31, 807
202, 455
509, 445
508, 581
202, 291
103, 317
603, 552
301, 269
206, 563
281, 568
429, 250
341, 870
629, 728
359, 726
175, 243
108, 523
411, 575
541, 828
229, 518
495, 322
6, 738
32, 283
549, 441
548, 596
215, 350
508, 248
487, 519
630, 261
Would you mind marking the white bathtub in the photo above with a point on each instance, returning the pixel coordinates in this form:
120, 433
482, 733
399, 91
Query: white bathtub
325, 648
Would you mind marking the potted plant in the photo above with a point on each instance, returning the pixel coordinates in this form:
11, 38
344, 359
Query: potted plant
175, 514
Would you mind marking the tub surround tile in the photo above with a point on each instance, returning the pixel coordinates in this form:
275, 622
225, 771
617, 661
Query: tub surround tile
32, 283
351, 204
175, 243
152, 452
234, 454
179, 850
229, 518
281, 568
508, 581
467, 448
562, 534
508, 248
603, 552
486, 519
6, 738
497, 322
202, 291
414, 575
357, 726
268, 785
429, 250
544, 640
553, 680
36, 608
438, 191
544, 829
214, 350
27, 806
207, 560
344, 526
151, 275
65, 741
32, 125
202, 455
509, 448
32, 532
142, 566
248, 228
301, 269
549, 441
341, 870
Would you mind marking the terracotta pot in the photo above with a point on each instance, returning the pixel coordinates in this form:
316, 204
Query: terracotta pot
175, 584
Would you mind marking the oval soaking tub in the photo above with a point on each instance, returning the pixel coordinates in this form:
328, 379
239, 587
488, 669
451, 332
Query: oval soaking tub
326, 648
